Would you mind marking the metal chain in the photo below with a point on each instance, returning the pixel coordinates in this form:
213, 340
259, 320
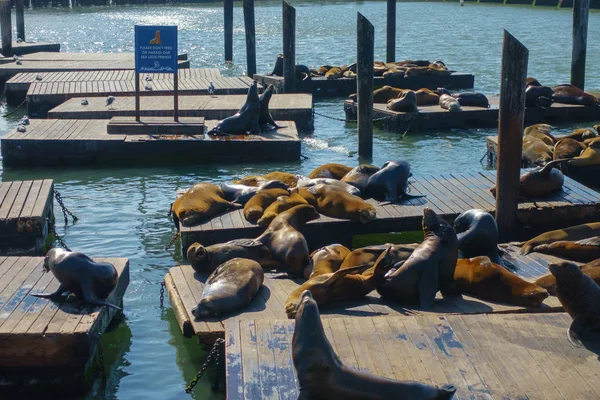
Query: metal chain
65, 210
57, 237
100, 358
351, 120
211, 357
16, 109
173, 239
215, 386
162, 294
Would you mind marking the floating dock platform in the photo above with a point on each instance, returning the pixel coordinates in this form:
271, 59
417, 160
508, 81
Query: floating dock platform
23, 48
342, 87
26, 210
437, 118
44, 343
77, 142
285, 107
448, 195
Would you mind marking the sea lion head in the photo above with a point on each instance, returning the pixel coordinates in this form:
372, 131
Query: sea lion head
204, 308
367, 214
304, 212
568, 277
197, 255
53, 256
430, 220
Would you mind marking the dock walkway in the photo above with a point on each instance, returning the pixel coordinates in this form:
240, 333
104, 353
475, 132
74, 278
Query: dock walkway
26, 210
22, 48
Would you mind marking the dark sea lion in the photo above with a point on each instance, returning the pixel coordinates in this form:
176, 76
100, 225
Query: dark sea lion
531, 82
302, 72
582, 134
535, 151
369, 254
246, 120
257, 180
286, 244
477, 234
278, 68
427, 97
406, 102
584, 250
323, 376
540, 181
335, 202
573, 233
472, 99
449, 103
359, 176
589, 156
230, 287
91, 282
326, 260
307, 183
548, 281
567, 148
480, 278
428, 269
207, 259
242, 193
199, 203
280, 205
538, 96
390, 183
264, 115
541, 131
331, 170
257, 204
580, 296
569, 94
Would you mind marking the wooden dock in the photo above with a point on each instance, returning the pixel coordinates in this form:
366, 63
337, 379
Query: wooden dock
45, 343
23, 48
321, 87
26, 210
517, 356
437, 118
448, 195
289, 107
77, 142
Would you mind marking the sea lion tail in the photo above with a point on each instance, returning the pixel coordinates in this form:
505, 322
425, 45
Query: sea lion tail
105, 303
549, 165
43, 295
447, 391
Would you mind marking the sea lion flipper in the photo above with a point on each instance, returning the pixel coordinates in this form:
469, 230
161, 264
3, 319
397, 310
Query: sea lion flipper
337, 275
592, 241
90, 297
574, 337
428, 286
61, 289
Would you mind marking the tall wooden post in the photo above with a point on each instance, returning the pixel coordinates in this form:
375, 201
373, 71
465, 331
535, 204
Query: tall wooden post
581, 11
228, 25
365, 44
391, 32
510, 132
250, 36
289, 48
20, 12
6, 27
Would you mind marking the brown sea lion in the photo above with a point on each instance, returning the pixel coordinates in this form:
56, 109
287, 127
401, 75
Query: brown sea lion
379, 70
256, 206
306, 183
567, 148
91, 282
280, 205
548, 281
449, 103
541, 131
326, 260
417, 71
335, 202
580, 296
286, 244
256, 180
582, 134
570, 94
395, 72
359, 176
531, 82
207, 259
331, 170
334, 73
367, 255
427, 97
480, 278
573, 233
387, 93
584, 250
199, 203
230, 287
349, 74
540, 181
323, 376
405, 102
535, 151
589, 156
323, 69
428, 269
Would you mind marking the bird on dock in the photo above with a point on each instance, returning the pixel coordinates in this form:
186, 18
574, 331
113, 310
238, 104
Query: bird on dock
148, 87
148, 78
211, 89
84, 102
24, 120
109, 101
15, 57
21, 128
39, 77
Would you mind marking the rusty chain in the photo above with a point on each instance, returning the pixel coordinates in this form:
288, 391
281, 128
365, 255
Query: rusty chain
65, 210
162, 294
173, 239
57, 237
213, 355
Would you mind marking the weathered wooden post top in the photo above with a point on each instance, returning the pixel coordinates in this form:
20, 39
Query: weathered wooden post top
250, 36
289, 48
365, 44
6, 28
390, 53
228, 28
581, 11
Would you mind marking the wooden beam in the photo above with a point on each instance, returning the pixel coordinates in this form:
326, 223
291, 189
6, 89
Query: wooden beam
391, 31
510, 132
20, 13
581, 11
228, 27
250, 37
6, 27
365, 39
289, 48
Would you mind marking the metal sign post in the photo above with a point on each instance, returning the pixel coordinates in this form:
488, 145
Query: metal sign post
156, 52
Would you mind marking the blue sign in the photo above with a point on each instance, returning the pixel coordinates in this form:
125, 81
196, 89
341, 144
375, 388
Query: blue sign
156, 49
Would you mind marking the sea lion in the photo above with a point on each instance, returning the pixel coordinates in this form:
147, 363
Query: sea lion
477, 234
331, 170
359, 176
535, 151
584, 250
580, 296
286, 244
573, 233
427, 97
334, 73
449, 103
369, 254
582, 134
264, 115
349, 74
256, 206
91, 282
567, 148
531, 82
246, 120
417, 71
278, 68
199, 203
280, 205
390, 183
541, 131
242, 193
538, 96
570, 94
326, 260
589, 156
405, 102
306, 183
472, 99
383, 94
540, 181
322, 375
207, 259
480, 278
335, 202
230, 287
428, 269
256, 180
395, 72
548, 281
302, 72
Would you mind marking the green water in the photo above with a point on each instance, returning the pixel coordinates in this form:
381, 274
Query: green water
122, 212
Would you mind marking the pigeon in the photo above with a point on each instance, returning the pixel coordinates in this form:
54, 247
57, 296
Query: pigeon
109, 101
15, 58
148, 78
21, 128
211, 89
18, 62
39, 77
24, 120
84, 102
148, 87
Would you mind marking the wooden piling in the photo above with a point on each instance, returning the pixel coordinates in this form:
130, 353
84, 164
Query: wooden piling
391, 31
6, 27
510, 132
365, 39
289, 48
20, 13
581, 10
228, 26
250, 37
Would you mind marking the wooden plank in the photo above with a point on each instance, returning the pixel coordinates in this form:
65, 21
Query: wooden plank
29, 203
9, 199
250, 363
20, 199
266, 360
285, 371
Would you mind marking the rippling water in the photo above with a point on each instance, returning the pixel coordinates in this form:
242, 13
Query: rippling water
123, 211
